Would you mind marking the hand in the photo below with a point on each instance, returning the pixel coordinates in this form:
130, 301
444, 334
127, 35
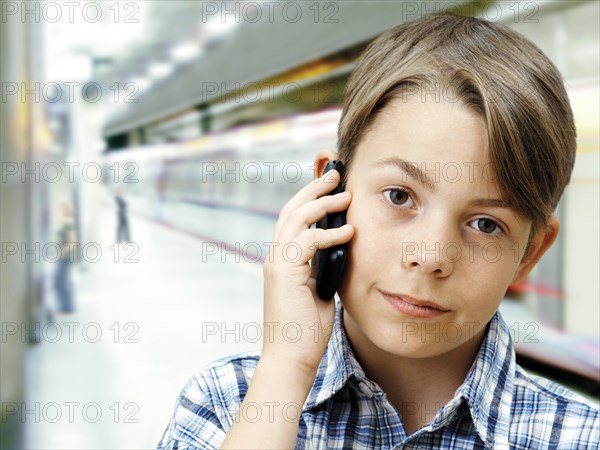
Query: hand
298, 324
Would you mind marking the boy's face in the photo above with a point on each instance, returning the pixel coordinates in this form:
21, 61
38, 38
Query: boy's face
448, 240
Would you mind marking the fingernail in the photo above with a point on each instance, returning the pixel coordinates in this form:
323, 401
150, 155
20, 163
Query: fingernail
342, 195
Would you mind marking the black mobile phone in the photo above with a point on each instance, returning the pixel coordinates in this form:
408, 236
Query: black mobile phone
331, 261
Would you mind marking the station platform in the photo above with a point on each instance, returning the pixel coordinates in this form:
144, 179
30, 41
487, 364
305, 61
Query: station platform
147, 317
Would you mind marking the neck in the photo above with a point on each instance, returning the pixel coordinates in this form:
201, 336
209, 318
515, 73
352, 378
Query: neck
417, 387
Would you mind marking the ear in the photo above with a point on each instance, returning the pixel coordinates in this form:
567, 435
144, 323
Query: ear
321, 160
541, 242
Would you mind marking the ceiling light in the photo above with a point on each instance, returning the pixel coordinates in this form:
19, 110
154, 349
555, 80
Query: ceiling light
218, 27
142, 83
160, 70
186, 51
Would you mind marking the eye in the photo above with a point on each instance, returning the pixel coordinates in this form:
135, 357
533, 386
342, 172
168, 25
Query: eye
487, 226
398, 197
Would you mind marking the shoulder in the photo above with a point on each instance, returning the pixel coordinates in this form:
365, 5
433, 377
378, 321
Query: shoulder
549, 393
224, 382
229, 375
544, 412
209, 401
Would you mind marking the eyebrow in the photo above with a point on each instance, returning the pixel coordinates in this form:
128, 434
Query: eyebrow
490, 203
409, 168
414, 172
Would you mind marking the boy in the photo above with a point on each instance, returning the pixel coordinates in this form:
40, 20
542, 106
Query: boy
458, 140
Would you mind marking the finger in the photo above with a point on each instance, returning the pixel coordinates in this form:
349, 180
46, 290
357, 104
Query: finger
313, 239
313, 190
310, 213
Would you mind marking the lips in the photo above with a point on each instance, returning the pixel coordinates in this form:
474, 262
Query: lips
413, 306
415, 301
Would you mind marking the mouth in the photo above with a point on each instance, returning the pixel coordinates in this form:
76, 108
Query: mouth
413, 306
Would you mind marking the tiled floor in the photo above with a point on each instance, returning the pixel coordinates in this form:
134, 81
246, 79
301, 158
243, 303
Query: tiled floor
107, 376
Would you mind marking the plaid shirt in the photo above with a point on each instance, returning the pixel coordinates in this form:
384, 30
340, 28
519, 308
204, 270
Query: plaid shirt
499, 406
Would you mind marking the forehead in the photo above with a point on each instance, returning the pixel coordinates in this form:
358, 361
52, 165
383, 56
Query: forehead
425, 130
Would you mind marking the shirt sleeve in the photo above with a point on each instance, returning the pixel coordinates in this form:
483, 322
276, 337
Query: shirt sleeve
195, 423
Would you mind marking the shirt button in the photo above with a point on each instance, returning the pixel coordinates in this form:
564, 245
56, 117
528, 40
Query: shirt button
365, 389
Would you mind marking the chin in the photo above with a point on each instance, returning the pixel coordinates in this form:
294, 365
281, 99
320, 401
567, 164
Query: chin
399, 343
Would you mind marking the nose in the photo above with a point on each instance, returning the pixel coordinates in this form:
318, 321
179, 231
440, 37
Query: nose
433, 249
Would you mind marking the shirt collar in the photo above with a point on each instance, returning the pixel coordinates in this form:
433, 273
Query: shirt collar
489, 385
337, 365
487, 389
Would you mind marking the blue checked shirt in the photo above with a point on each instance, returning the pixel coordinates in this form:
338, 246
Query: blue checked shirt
499, 406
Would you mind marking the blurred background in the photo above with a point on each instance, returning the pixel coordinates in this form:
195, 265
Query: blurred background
146, 149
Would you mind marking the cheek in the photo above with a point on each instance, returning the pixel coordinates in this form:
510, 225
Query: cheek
493, 277
365, 254
496, 264
368, 243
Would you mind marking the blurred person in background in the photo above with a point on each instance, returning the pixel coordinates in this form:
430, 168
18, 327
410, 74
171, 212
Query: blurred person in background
123, 226
161, 185
67, 241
